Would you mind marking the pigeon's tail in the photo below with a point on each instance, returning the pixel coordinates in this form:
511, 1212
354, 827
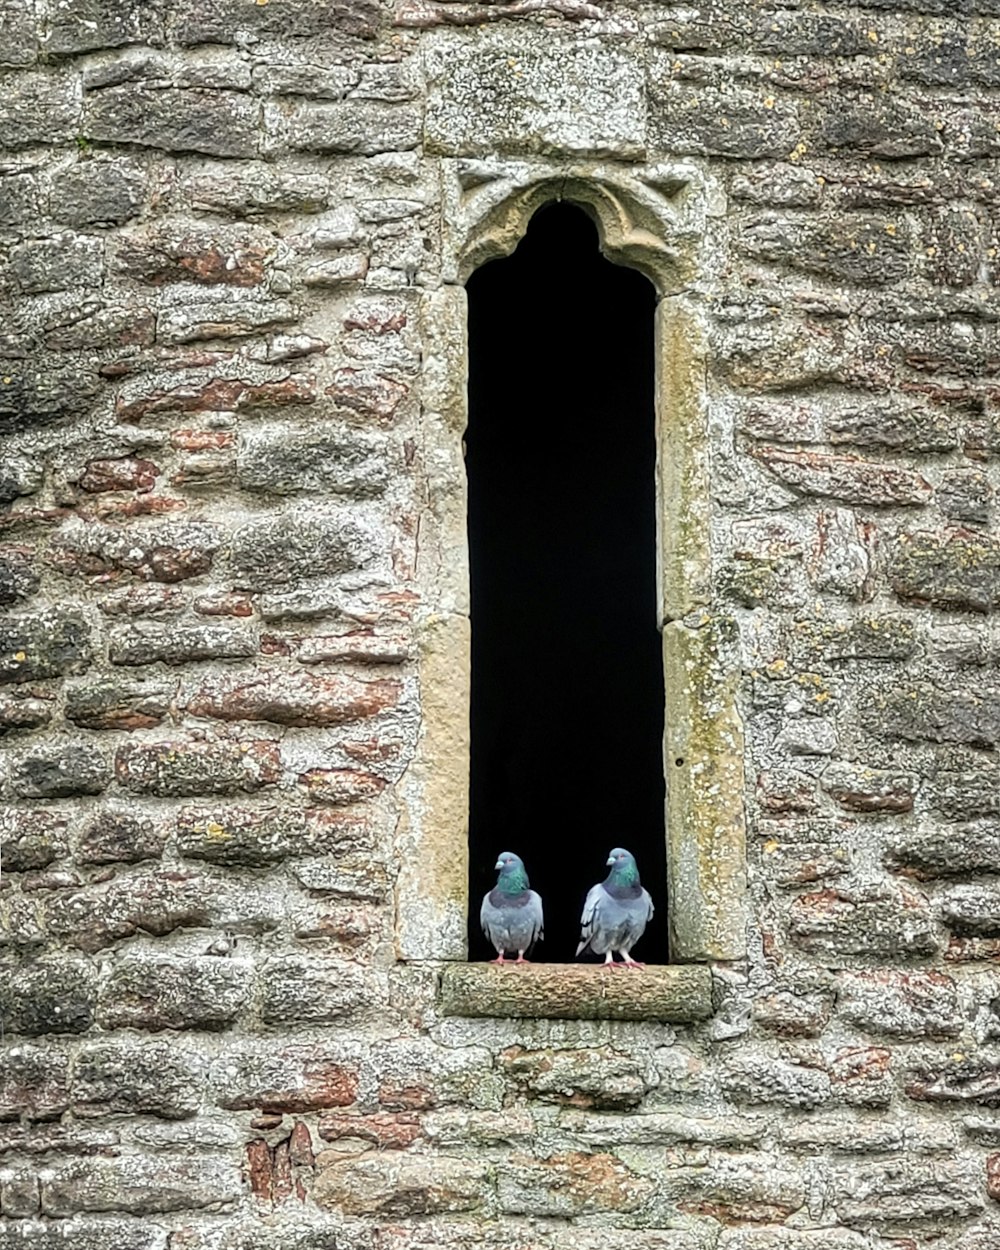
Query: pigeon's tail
582, 947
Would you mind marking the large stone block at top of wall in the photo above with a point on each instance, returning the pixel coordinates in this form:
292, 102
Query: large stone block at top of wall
533, 93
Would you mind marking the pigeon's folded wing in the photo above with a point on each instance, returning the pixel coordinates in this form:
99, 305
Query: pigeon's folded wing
537, 918
588, 920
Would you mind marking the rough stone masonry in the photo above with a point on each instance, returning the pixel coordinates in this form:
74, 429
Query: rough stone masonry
222, 222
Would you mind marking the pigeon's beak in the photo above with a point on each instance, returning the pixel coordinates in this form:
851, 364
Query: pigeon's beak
498, 865
611, 861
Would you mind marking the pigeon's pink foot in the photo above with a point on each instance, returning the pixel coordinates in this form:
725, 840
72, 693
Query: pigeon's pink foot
612, 967
632, 963
499, 959
521, 959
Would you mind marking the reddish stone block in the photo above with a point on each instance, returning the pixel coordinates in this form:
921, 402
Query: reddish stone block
202, 440
367, 393
855, 481
224, 605
224, 258
294, 698
125, 473
300, 1150
292, 1080
219, 395
993, 1177
384, 1130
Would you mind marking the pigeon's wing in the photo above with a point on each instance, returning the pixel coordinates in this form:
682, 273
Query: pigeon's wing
488, 918
640, 914
535, 915
589, 921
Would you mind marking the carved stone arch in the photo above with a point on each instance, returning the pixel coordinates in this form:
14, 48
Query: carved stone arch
647, 219
652, 219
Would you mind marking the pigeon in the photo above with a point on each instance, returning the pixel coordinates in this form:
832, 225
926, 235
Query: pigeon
511, 914
616, 912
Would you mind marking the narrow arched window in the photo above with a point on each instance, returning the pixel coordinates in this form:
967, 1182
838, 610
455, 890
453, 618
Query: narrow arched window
567, 698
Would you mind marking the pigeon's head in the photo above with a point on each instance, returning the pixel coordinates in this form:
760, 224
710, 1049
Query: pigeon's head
508, 861
512, 877
620, 857
624, 870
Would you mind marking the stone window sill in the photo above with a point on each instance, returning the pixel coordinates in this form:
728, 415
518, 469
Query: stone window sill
675, 993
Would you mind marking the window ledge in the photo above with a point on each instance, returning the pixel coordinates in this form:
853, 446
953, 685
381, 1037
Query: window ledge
676, 993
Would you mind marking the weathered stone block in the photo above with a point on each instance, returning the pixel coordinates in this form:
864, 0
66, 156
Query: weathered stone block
234, 21
43, 644
18, 199
43, 389
169, 551
959, 850
882, 125
126, 1078
57, 768
587, 1077
286, 1080
533, 93
32, 838
97, 192
115, 835
86, 1234
884, 923
180, 644
367, 393
890, 1194
216, 122
294, 698
34, 1082
233, 257
970, 1079
569, 1184
395, 1184
53, 995
19, 30
183, 768
855, 481
263, 835
140, 1185
861, 789
953, 569
285, 549
156, 992
901, 1004
417, 1075
283, 462
111, 703
921, 712
763, 1080
93, 24
362, 127
38, 108
158, 903
965, 495
857, 250
972, 909
731, 121
827, 642
308, 990
19, 580
58, 264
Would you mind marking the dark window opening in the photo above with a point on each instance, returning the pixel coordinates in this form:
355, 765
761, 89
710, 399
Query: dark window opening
567, 673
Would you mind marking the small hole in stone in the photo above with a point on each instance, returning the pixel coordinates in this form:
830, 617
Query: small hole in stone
679, 761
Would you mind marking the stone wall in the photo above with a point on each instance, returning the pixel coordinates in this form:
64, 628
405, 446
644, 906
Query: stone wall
232, 519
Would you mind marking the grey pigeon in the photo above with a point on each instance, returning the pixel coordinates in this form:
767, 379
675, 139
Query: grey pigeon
616, 912
511, 914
